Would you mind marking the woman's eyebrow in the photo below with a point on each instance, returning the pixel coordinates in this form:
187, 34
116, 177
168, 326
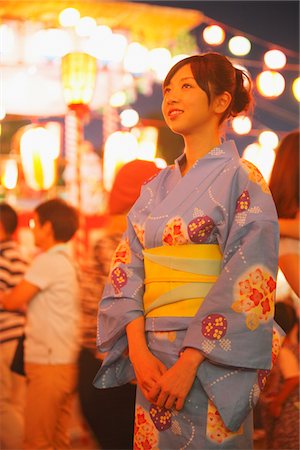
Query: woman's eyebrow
181, 79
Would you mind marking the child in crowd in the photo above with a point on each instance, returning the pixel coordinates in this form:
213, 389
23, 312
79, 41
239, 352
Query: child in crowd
50, 290
12, 386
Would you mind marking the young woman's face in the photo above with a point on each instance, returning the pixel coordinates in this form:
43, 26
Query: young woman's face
185, 105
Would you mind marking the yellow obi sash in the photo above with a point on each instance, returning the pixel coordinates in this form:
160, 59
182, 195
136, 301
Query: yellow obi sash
178, 278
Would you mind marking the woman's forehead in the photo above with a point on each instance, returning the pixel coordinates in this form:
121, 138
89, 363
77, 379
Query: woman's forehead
184, 72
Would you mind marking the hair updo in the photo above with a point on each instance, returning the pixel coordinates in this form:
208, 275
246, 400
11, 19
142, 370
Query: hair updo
215, 74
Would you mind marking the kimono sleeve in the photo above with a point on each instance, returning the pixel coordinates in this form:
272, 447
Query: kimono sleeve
122, 302
234, 326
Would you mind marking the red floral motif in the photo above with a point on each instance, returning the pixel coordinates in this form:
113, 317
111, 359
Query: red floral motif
145, 434
122, 253
214, 326
272, 284
215, 429
174, 232
254, 294
266, 307
243, 202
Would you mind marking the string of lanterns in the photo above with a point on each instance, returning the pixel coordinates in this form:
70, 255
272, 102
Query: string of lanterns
102, 47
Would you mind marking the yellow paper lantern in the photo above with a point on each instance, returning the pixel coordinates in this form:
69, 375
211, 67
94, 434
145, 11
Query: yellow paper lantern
78, 77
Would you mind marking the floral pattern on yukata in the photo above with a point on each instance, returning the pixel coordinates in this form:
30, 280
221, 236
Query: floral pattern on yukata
255, 292
262, 375
175, 232
118, 279
200, 228
214, 328
255, 176
215, 428
145, 433
122, 253
161, 417
140, 232
243, 207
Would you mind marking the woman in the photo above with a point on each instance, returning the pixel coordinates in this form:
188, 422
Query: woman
188, 310
284, 185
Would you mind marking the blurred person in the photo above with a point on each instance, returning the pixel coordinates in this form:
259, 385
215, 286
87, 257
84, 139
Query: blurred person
12, 386
280, 398
188, 307
50, 291
284, 185
109, 413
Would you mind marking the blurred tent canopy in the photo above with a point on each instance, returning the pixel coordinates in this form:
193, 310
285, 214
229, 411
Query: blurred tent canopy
150, 24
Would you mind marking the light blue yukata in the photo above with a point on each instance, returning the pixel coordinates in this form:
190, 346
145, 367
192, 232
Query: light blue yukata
222, 202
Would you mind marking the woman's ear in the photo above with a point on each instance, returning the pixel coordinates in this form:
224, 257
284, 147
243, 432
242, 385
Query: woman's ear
221, 102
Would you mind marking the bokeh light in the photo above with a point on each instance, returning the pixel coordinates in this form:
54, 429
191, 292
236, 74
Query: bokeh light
241, 124
270, 83
129, 118
296, 88
268, 139
239, 45
214, 35
69, 17
275, 59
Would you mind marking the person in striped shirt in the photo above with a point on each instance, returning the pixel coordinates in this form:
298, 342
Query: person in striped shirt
12, 386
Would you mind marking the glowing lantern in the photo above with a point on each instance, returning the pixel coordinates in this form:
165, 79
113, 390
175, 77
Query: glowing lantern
296, 88
275, 59
241, 124
270, 83
214, 35
136, 58
239, 45
86, 26
120, 148
78, 76
69, 17
118, 99
268, 139
9, 175
38, 155
129, 118
262, 157
160, 62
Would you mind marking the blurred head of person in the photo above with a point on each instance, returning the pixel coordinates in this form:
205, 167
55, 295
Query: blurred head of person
284, 181
8, 221
127, 185
54, 221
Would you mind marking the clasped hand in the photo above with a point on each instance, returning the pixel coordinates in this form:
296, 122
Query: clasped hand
162, 386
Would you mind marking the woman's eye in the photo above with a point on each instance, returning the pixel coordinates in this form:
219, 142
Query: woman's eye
166, 90
186, 85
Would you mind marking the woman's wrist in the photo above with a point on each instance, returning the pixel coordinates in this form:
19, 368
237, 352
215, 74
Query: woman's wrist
192, 357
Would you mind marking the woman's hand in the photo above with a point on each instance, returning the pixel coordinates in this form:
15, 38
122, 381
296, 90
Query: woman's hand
148, 370
175, 384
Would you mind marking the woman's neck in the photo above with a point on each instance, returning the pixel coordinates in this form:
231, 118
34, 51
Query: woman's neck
196, 147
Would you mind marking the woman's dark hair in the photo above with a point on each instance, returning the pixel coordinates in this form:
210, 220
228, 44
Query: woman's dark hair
8, 218
284, 181
285, 315
62, 216
215, 74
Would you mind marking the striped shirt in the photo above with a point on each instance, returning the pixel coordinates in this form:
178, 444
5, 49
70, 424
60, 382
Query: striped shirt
12, 268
